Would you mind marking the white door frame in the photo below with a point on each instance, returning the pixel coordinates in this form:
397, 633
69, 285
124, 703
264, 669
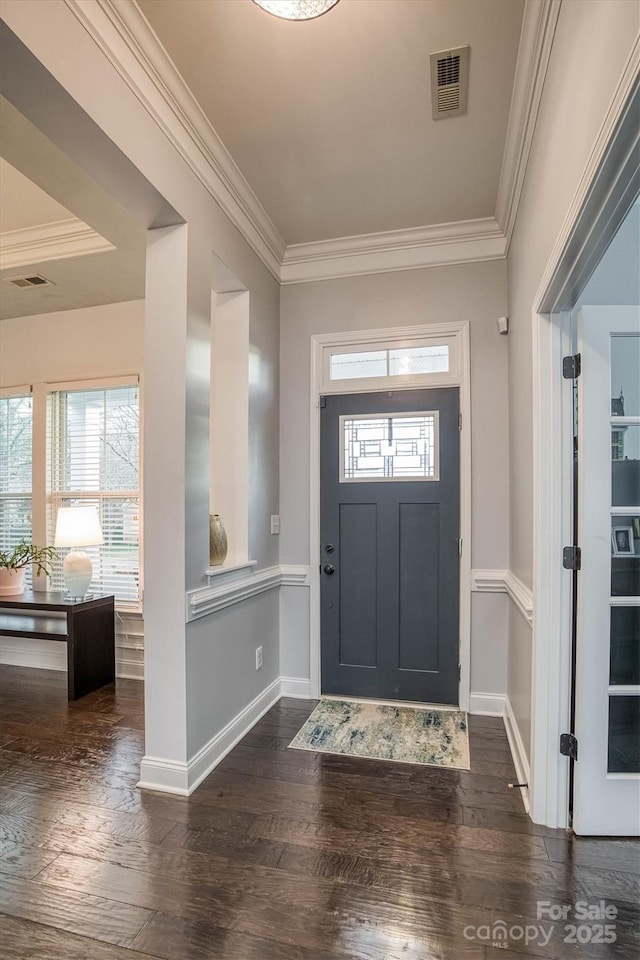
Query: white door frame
460, 377
606, 191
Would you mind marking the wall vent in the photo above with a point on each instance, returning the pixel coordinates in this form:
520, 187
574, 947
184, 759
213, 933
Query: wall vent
449, 82
30, 280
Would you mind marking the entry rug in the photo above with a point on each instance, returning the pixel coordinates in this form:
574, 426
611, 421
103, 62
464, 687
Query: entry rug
381, 732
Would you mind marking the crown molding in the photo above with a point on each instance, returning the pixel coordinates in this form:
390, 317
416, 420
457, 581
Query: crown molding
127, 40
536, 39
412, 249
58, 240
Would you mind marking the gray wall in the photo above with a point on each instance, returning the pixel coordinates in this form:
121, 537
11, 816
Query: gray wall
590, 49
475, 292
519, 676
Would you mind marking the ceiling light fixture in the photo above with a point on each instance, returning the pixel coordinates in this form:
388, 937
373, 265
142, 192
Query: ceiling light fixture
296, 9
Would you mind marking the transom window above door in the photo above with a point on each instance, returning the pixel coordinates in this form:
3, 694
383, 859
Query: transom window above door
409, 362
404, 361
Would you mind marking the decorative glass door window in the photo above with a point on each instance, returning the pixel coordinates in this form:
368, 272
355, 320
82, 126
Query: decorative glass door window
389, 447
624, 669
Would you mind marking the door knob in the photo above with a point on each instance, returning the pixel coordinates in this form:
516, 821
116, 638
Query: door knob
329, 569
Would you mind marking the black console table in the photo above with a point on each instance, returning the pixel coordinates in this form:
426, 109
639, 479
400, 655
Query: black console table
88, 629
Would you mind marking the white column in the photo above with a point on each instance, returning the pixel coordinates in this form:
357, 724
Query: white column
164, 487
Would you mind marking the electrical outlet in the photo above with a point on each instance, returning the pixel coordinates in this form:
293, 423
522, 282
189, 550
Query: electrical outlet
258, 658
275, 523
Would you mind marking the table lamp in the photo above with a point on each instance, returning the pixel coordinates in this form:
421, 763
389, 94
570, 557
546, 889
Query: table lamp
77, 527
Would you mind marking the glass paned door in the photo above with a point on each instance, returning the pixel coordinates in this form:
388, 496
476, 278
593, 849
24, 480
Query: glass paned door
607, 772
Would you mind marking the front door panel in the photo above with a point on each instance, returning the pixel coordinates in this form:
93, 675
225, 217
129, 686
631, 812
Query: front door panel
390, 522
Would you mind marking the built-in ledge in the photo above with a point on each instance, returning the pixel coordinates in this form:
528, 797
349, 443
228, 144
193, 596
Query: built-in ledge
226, 568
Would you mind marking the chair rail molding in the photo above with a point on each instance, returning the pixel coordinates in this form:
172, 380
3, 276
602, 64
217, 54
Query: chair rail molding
295, 575
505, 581
205, 600
241, 584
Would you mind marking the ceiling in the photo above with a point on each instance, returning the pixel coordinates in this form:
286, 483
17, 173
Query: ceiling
41, 189
330, 120
23, 204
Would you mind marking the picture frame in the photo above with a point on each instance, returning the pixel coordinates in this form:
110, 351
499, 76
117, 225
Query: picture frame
622, 541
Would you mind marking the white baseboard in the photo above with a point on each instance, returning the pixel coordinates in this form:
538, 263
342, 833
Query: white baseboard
297, 687
52, 655
499, 705
487, 704
518, 752
129, 669
39, 654
164, 776
183, 778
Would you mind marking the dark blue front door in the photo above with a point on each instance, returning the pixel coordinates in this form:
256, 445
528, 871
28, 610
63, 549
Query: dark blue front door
390, 523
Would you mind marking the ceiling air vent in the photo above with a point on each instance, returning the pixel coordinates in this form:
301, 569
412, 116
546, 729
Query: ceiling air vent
31, 280
449, 82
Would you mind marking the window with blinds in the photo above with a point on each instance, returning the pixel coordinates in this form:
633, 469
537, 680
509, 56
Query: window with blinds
16, 419
93, 455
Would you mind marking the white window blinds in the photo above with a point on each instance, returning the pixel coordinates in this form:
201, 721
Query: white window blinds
93, 454
16, 419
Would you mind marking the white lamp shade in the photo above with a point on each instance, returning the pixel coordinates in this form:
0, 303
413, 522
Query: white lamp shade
78, 527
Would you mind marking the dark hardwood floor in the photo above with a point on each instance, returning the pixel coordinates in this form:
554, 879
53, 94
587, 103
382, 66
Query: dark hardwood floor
280, 854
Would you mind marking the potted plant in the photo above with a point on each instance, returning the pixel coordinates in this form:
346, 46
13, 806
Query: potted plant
14, 561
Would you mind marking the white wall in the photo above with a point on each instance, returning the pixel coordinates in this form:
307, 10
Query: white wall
229, 454
80, 344
590, 49
475, 292
73, 344
182, 714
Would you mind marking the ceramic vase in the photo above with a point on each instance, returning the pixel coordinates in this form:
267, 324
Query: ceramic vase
11, 581
217, 541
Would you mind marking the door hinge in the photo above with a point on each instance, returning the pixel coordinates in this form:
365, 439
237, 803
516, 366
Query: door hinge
571, 558
569, 746
572, 367
459, 539
459, 421
459, 671
323, 402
